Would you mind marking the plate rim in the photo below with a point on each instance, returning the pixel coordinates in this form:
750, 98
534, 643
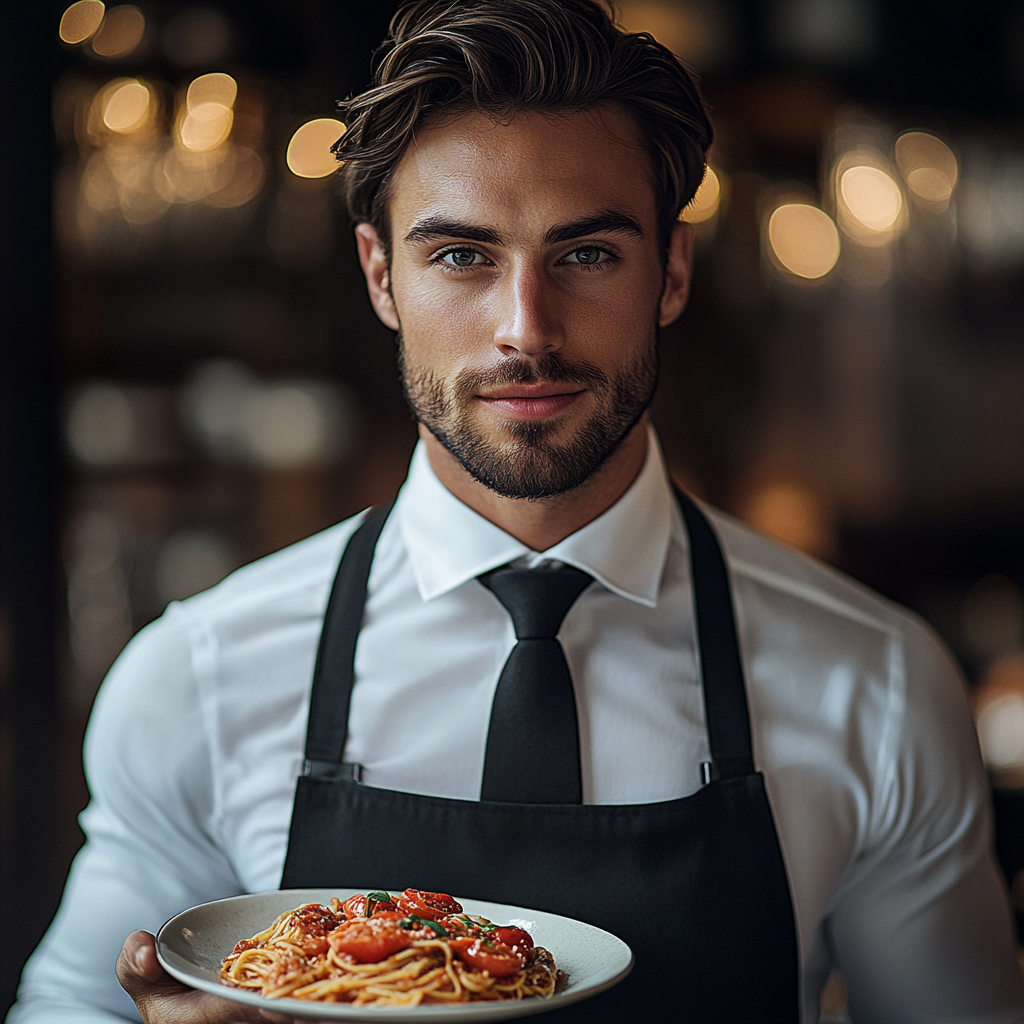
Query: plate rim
302, 1008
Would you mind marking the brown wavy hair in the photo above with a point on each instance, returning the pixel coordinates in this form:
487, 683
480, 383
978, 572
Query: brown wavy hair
502, 56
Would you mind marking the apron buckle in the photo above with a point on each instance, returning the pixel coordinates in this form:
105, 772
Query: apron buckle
332, 770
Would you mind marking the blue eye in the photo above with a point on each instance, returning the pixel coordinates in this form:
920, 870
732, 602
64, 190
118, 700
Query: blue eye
461, 257
588, 256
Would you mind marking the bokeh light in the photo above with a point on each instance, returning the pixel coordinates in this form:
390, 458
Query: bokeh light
793, 514
999, 716
309, 152
126, 104
928, 167
121, 32
244, 183
1001, 731
871, 197
215, 87
284, 425
236, 416
705, 203
205, 127
700, 32
80, 21
803, 240
101, 425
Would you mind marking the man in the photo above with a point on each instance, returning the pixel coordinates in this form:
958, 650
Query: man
516, 175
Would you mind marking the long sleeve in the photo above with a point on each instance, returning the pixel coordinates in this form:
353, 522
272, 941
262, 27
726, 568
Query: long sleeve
151, 844
921, 926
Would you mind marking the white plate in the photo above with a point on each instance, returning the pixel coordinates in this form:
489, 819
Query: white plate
192, 945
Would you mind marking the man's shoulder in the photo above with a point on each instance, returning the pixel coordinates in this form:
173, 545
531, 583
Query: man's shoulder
773, 566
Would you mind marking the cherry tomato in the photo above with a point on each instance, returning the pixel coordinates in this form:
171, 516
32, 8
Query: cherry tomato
372, 940
355, 907
518, 940
494, 957
431, 906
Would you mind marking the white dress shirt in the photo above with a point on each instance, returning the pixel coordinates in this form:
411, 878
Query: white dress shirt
860, 725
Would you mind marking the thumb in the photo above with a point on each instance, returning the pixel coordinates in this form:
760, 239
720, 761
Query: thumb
160, 998
137, 967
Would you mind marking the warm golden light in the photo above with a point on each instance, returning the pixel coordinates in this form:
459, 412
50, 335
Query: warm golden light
793, 514
705, 203
127, 105
928, 166
871, 197
245, 182
215, 87
803, 239
206, 127
80, 21
686, 29
309, 152
188, 176
226, 177
999, 714
120, 33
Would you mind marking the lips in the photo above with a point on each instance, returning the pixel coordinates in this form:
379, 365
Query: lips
530, 391
531, 401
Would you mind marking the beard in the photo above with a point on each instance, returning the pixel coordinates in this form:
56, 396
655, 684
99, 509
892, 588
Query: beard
525, 459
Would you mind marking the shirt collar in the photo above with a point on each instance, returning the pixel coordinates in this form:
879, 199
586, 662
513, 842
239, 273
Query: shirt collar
624, 548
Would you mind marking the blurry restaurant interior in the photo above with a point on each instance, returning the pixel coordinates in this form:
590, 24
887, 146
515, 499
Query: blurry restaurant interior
193, 377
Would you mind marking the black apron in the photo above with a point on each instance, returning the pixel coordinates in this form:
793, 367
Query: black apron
696, 886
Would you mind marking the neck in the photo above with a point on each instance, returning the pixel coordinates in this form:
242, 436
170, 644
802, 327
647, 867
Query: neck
542, 523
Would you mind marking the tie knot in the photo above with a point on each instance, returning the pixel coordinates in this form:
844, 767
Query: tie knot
537, 599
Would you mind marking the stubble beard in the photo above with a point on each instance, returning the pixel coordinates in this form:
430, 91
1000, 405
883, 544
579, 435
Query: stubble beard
526, 459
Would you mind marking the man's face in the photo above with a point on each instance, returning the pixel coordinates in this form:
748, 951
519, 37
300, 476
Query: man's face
526, 283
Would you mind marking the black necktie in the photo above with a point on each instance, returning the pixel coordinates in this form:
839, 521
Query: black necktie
533, 744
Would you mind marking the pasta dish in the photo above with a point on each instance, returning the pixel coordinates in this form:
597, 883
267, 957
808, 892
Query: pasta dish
383, 950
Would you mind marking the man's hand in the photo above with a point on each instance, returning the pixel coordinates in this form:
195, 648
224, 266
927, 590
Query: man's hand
162, 1000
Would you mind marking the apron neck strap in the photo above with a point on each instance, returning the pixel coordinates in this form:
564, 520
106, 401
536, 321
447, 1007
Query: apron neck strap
721, 670
334, 674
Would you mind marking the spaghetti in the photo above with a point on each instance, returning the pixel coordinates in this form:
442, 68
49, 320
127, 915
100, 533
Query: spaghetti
383, 950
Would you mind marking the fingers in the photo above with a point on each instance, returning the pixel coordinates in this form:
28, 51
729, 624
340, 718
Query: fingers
137, 966
162, 1000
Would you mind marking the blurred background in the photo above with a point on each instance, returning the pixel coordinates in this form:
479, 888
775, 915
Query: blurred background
192, 376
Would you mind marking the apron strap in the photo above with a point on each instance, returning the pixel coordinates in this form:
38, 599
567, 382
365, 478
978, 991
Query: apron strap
334, 674
721, 670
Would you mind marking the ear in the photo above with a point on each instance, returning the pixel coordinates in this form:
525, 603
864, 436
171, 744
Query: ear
678, 268
375, 267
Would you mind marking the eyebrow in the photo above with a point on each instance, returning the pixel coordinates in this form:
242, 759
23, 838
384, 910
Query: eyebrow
431, 229
605, 222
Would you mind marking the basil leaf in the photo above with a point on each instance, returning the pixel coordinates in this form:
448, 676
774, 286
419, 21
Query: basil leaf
380, 897
480, 923
412, 921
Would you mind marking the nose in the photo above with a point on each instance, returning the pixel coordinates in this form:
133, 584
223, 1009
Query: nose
529, 318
